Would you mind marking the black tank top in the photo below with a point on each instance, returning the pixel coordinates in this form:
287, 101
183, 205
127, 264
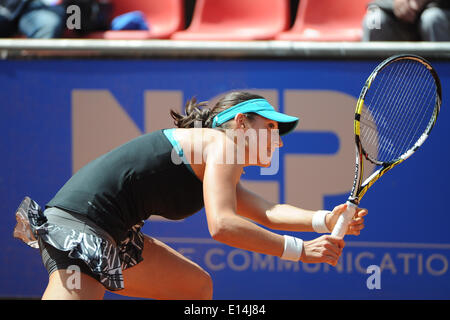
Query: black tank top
130, 183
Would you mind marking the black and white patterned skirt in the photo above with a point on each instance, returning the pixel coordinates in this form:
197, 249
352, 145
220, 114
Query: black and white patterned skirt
97, 249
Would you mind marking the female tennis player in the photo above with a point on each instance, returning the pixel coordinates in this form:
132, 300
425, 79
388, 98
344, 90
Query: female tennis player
93, 222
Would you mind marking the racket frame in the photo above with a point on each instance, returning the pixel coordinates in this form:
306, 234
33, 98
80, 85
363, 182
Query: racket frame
359, 187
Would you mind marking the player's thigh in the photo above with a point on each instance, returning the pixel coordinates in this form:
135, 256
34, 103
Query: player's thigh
166, 274
72, 285
68, 278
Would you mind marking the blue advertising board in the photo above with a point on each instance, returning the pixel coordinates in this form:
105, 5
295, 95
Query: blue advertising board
56, 115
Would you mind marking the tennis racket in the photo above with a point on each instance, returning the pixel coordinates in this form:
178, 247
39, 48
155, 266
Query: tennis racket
396, 110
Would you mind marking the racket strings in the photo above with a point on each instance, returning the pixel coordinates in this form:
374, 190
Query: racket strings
387, 91
399, 108
369, 130
393, 138
388, 146
428, 95
370, 136
378, 116
419, 112
404, 113
390, 110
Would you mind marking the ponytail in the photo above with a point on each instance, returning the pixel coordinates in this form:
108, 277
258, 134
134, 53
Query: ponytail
196, 112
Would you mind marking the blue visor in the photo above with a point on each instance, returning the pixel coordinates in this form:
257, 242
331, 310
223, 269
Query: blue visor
259, 106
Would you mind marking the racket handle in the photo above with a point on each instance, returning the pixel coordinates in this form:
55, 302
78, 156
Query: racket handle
344, 220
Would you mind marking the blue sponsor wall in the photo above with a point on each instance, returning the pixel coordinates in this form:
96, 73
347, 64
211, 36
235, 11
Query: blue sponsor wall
406, 231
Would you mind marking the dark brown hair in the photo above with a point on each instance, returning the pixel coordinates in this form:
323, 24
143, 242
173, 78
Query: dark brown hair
199, 111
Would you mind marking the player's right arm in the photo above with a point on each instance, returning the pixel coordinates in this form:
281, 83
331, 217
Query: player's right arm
225, 225
287, 217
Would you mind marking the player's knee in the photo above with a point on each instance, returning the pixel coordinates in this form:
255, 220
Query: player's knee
204, 287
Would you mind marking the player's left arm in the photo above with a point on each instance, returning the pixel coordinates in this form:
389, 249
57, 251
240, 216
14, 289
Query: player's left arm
286, 217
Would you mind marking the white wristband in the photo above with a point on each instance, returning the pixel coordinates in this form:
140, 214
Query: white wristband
319, 223
293, 248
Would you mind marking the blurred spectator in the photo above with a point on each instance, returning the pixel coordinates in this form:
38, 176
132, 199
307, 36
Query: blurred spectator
32, 18
407, 20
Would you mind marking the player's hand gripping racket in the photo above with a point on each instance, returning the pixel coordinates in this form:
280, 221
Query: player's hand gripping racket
396, 110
